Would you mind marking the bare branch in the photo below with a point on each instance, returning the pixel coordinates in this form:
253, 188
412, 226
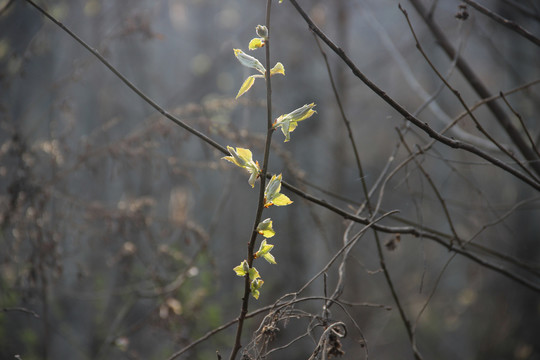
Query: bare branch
400, 109
533, 145
460, 98
501, 20
22, 309
479, 88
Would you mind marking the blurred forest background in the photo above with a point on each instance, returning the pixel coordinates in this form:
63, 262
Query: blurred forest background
119, 229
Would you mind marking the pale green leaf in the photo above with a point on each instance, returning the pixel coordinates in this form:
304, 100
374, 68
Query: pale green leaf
243, 158
252, 178
302, 113
270, 258
273, 187
265, 248
264, 252
289, 122
235, 157
253, 274
249, 61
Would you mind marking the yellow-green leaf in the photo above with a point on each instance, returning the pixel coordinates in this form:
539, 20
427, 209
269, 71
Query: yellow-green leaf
272, 194
256, 43
289, 122
265, 228
248, 83
255, 286
277, 69
270, 258
281, 200
302, 113
243, 158
235, 157
245, 154
242, 269
264, 252
253, 274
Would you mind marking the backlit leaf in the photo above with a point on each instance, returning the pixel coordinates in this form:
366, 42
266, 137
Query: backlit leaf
243, 158
249, 61
265, 228
277, 69
289, 122
281, 200
253, 274
272, 194
264, 252
242, 269
255, 286
256, 43
248, 83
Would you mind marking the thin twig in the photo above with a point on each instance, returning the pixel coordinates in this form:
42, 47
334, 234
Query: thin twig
533, 145
340, 285
432, 184
501, 20
429, 100
479, 88
460, 98
22, 309
217, 330
349, 244
517, 5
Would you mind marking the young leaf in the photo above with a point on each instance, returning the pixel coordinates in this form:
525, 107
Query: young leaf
281, 200
253, 274
256, 43
249, 61
246, 86
242, 269
243, 158
277, 69
265, 228
255, 286
264, 252
289, 122
272, 194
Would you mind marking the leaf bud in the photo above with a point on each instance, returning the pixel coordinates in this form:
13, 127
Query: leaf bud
262, 31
